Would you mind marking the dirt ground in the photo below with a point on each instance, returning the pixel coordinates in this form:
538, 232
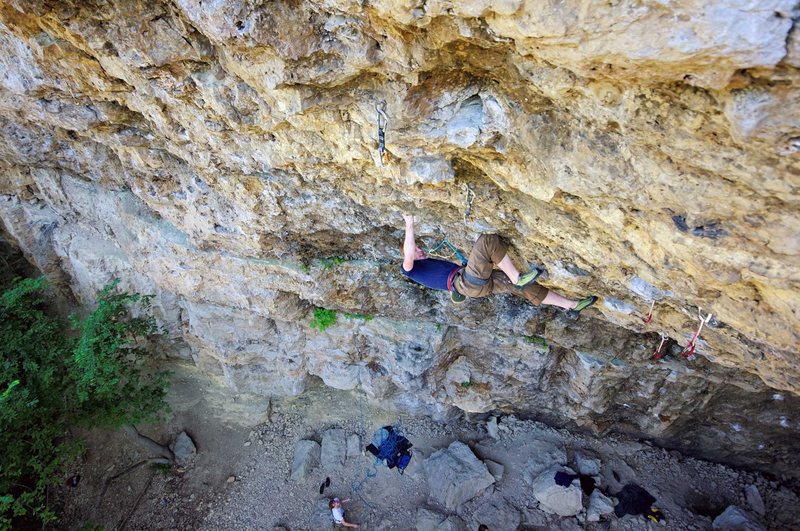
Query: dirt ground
239, 479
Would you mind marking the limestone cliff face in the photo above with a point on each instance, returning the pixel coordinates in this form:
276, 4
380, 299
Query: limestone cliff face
215, 153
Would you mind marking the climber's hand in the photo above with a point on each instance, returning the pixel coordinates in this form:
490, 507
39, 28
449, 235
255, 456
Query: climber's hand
409, 218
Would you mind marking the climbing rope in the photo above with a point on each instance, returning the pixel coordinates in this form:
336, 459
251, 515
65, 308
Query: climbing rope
657, 355
470, 198
447, 255
357, 486
383, 122
688, 350
386, 444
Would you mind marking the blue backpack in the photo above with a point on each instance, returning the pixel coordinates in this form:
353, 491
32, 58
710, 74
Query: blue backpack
391, 448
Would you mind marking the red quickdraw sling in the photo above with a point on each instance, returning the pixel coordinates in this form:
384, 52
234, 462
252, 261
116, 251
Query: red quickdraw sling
649, 317
657, 355
688, 350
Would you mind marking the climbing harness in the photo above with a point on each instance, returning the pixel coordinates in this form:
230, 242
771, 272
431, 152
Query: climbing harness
688, 350
383, 122
649, 317
657, 355
470, 198
453, 252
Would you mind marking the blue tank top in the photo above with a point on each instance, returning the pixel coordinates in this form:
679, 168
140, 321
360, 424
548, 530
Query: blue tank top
431, 272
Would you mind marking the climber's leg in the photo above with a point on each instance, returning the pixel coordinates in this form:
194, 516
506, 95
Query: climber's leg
476, 279
554, 299
488, 251
507, 267
531, 292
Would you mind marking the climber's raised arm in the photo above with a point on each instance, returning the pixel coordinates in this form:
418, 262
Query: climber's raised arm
409, 245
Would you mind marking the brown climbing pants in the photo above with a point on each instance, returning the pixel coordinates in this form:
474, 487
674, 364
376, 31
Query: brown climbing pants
486, 253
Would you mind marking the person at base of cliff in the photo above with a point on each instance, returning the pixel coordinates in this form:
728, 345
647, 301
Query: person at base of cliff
480, 278
338, 512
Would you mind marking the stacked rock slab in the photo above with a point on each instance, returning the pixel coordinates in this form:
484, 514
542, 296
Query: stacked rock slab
554, 498
455, 476
334, 449
184, 449
599, 505
736, 519
306, 458
430, 520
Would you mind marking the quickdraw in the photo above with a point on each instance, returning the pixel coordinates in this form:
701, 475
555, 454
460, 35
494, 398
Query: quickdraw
657, 355
454, 252
383, 122
688, 350
470, 198
649, 317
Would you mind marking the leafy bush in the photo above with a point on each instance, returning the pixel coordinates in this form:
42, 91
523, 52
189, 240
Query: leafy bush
323, 318
330, 263
54, 377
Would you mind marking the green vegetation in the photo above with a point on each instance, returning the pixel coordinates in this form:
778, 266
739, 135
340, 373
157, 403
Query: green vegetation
323, 319
54, 376
466, 385
536, 340
362, 316
162, 468
330, 263
305, 268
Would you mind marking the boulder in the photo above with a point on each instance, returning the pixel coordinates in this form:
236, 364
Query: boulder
496, 513
334, 449
353, 446
545, 455
184, 449
555, 499
495, 469
599, 505
306, 458
491, 428
455, 475
735, 519
430, 520
452, 523
754, 499
588, 466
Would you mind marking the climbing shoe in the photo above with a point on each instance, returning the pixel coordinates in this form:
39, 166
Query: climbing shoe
654, 514
528, 277
456, 297
582, 305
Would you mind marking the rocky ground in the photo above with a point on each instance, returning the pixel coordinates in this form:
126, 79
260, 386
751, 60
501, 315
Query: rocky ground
239, 478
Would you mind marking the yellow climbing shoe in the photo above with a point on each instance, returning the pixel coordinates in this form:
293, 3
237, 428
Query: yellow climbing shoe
528, 277
582, 305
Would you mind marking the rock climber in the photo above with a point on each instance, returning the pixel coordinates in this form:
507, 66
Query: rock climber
479, 278
338, 512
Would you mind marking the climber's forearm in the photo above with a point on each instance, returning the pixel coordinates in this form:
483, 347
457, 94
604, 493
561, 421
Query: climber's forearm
409, 244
